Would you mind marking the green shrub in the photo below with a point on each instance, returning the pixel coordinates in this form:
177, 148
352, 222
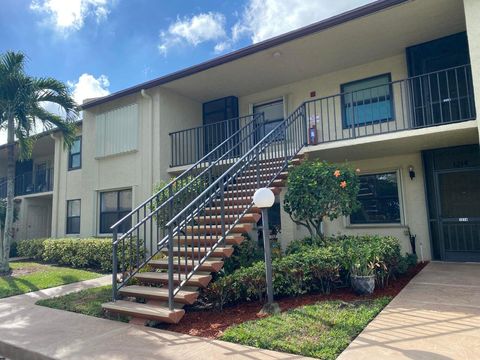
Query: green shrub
31, 248
244, 255
299, 245
312, 266
319, 190
91, 253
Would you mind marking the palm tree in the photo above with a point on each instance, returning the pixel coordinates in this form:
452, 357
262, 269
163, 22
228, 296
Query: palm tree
21, 100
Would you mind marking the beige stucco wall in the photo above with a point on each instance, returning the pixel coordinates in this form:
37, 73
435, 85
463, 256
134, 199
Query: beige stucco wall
412, 201
472, 18
139, 169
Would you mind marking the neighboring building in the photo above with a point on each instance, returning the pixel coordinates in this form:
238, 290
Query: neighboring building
390, 87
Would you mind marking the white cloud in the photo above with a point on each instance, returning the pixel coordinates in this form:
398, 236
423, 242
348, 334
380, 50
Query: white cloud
194, 31
263, 19
87, 87
69, 15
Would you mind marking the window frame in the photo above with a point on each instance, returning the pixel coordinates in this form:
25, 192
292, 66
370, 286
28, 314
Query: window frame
67, 227
79, 153
276, 122
345, 125
117, 212
401, 201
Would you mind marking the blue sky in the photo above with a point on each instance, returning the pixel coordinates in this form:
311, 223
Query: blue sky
102, 46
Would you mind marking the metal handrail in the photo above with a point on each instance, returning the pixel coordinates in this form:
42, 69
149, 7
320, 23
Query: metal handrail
145, 217
271, 147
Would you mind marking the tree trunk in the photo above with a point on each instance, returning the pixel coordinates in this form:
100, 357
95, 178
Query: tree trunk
8, 235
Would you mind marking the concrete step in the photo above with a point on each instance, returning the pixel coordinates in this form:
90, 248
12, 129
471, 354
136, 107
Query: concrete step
156, 293
145, 311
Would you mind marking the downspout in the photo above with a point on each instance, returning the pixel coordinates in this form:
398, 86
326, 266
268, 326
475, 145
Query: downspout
56, 185
148, 96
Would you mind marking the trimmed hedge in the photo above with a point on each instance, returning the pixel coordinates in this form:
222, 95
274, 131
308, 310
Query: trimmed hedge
311, 266
90, 253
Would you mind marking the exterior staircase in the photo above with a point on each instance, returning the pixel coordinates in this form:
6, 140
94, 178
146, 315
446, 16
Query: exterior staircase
196, 229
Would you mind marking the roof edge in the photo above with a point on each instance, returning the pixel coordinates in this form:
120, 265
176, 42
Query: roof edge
335, 20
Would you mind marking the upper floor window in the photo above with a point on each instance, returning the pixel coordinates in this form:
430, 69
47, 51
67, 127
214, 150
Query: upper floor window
114, 205
73, 216
75, 155
367, 101
379, 200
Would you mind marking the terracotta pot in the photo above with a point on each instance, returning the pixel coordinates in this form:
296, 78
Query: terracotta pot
363, 285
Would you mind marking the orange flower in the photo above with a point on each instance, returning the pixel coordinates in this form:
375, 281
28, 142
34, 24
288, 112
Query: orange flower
343, 184
337, 173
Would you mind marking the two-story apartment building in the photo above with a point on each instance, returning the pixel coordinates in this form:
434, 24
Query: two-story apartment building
390, 87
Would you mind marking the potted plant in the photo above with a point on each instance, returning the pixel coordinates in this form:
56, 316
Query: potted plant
362, 276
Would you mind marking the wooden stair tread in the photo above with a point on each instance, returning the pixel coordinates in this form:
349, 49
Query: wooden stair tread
208, 265
234, 239
226, 250
251, 191
216, 229
146, 311
200, 280
217, 219
217, 209
156, 293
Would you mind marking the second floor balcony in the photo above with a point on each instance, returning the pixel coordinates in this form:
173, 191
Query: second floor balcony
382, 107
31, 182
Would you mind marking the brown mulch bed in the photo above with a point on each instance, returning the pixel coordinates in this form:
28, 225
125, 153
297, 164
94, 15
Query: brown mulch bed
212, 323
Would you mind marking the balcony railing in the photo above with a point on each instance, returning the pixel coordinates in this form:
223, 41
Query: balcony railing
190, 145
432, 99
436, 98
30, 183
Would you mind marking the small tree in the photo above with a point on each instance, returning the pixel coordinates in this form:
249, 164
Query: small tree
318, 190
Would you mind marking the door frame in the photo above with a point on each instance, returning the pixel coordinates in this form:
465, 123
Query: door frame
440, 219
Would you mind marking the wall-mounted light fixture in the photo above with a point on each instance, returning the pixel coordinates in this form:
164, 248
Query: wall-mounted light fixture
411, 172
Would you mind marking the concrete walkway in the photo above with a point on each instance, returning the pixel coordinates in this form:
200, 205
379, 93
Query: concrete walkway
29, 331
435, 317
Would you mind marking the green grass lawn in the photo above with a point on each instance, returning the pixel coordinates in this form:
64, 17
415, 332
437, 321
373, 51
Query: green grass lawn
32, 276
87, 302
322, 330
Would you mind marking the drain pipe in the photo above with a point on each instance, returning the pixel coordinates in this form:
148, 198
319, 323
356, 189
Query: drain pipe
145, 95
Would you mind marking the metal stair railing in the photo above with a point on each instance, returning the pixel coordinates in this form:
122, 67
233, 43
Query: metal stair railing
145, 224
262, 164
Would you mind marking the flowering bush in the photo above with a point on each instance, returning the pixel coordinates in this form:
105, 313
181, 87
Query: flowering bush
318, 190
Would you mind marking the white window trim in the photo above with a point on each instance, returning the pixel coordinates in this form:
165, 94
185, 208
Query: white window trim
401, 200
282, 98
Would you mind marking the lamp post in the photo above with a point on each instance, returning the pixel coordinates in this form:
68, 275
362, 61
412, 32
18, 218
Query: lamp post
264, 199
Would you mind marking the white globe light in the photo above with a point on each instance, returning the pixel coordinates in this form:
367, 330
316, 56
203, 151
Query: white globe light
263, 198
